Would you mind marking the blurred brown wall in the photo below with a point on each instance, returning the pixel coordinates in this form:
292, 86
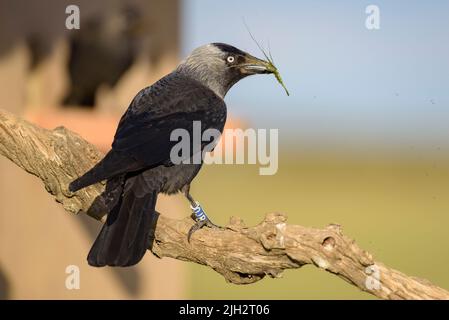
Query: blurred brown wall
38, 239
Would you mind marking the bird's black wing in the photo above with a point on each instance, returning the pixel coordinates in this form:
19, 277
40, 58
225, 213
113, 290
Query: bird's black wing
143, 135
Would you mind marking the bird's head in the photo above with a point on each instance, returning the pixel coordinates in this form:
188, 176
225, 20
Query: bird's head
219, 66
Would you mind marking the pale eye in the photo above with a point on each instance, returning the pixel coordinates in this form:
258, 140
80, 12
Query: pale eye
230, 59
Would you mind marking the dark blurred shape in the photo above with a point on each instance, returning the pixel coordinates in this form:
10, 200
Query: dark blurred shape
4, 285
101, 51
109, 41
39, 48
111, 36
40, 34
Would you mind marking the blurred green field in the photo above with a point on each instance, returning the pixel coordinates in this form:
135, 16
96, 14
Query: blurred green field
395, 206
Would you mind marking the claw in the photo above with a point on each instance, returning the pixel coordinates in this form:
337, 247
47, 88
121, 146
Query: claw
197, 226
201, 220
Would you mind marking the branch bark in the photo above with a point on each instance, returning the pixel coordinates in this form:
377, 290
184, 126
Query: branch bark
241, 254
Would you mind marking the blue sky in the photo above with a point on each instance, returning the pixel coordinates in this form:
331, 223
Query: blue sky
348, 84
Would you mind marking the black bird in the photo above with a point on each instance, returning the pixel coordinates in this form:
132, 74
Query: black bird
138, 167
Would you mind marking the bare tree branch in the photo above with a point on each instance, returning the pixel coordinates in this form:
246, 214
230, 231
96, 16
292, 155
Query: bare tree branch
241, 254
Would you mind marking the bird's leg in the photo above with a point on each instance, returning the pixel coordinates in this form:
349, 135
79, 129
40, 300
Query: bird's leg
198, 214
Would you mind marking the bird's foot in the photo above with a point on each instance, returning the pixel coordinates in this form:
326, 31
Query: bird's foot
201, 219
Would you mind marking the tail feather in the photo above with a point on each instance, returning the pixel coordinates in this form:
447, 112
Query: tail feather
125, 237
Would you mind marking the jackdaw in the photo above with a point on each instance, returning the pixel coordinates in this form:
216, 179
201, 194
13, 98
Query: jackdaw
139, 166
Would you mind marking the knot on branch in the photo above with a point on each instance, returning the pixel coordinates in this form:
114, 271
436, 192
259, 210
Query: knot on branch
272, 231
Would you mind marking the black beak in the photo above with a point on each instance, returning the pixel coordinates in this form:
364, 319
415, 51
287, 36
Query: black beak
253, 65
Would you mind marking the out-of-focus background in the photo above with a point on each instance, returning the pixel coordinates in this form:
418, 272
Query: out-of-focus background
364, 136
